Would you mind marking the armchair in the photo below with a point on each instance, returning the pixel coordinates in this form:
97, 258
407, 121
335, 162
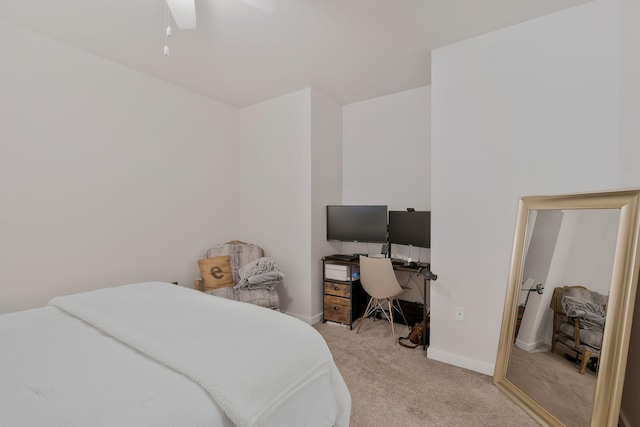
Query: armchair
241, 254
578, 321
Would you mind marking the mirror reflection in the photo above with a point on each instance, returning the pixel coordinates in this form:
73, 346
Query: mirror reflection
562, 302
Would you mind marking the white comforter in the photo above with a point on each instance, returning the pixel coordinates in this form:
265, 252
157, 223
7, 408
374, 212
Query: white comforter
259, 366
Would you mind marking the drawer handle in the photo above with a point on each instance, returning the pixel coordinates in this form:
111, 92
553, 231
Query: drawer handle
336, 308
336, 288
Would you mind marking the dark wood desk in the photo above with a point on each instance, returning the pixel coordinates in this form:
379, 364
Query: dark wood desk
352, 295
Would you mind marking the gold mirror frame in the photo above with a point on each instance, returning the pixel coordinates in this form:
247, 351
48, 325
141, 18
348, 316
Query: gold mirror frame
613, 359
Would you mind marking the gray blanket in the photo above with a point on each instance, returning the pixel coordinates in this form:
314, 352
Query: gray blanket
262, 273
592, 316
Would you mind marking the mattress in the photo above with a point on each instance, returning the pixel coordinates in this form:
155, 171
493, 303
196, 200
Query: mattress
155, 354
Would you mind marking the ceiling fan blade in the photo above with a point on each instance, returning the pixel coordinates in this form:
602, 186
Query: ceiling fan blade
268, 5
184, 13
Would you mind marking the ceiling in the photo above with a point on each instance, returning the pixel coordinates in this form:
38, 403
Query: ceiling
351, 50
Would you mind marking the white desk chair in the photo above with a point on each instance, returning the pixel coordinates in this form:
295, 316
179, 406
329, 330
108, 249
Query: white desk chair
379, 281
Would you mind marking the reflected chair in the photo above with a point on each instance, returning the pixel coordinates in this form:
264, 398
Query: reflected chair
379, 281
578, 322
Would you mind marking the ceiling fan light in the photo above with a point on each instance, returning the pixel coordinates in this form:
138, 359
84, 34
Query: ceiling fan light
184, 13
268, 5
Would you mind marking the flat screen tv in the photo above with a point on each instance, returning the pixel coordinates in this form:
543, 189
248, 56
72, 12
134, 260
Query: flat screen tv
357, 223
410, 228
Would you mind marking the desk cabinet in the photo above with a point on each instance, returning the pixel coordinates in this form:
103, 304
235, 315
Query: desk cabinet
344, 301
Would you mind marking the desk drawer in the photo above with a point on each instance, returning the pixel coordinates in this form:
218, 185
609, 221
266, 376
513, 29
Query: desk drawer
338, 289
337, 309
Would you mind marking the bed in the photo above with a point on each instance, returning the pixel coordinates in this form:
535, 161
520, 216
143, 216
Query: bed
156, 354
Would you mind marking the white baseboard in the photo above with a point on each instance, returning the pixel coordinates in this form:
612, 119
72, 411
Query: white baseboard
462, 362
308, 320
531, 347
317, 318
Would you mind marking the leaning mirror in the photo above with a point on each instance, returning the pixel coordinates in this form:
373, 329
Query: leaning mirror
568, 310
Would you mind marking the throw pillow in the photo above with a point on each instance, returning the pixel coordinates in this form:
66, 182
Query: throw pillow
216, 272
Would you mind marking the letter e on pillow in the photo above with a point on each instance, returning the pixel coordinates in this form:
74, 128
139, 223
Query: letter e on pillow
216, 272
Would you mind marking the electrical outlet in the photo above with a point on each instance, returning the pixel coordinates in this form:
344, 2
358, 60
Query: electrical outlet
460, 314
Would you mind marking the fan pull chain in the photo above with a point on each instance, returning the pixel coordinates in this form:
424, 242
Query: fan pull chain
168, 29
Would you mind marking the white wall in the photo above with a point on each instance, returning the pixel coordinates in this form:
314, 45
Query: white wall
275, 190
537, 262
544, 237
290, 148
585, 249
530, 109
387, 149
583, 255
630, 176
326, 186
629, 94
107, 176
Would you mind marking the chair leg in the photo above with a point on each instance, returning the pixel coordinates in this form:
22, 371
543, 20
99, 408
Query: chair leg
586, 355
402, 312
371, 308
366, 311
393, 331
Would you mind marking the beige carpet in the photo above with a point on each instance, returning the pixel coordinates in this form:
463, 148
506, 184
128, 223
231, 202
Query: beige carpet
555, 383
395, 386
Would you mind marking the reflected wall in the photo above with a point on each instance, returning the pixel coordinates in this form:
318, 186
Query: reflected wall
566, 247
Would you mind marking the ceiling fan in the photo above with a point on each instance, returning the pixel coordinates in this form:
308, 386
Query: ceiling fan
184, 11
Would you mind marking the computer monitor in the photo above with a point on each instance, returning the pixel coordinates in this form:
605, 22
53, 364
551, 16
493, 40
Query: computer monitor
410, 228
357, 223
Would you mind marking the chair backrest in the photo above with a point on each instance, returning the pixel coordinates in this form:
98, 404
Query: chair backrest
581, 293
558, 293
559, 316
378, 277
240, 253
